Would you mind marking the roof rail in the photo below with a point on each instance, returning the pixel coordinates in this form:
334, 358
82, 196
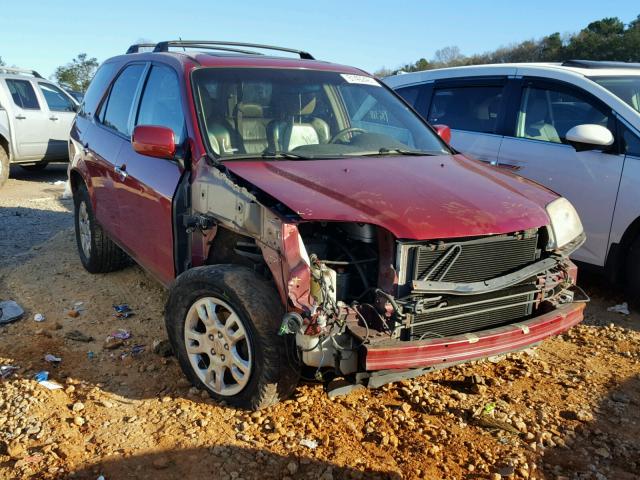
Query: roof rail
595, 64
135, 48
20, 70
218, 45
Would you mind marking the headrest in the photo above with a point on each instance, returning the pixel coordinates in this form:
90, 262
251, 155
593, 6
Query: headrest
296, 104
250, 109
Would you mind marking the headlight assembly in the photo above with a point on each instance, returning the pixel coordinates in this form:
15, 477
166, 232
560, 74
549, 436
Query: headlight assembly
565, 224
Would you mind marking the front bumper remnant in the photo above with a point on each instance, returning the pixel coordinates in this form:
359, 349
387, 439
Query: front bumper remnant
473, 346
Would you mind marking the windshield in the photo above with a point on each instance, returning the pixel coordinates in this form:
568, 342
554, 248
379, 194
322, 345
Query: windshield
305, 114
625, 88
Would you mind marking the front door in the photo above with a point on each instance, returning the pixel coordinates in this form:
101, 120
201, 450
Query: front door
30, 125
538, 151
147, 184
62, 111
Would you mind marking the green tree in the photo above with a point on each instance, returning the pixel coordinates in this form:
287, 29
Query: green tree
77, 74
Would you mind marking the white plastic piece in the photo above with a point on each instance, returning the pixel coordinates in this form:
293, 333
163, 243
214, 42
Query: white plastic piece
590, 134
565, 222
622, 308
38, 317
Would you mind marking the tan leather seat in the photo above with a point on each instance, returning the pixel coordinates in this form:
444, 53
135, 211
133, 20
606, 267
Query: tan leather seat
297, 125
536, 125
251, 127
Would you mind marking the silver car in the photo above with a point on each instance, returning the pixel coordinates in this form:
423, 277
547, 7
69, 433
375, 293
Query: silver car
35, 120
573, 127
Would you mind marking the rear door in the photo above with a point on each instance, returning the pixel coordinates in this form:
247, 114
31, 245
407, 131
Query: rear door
146, 185
474, 110
61, 112
103, 142
537, 149
30, 124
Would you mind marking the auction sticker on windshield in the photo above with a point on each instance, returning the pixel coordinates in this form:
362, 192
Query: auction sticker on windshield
359, 79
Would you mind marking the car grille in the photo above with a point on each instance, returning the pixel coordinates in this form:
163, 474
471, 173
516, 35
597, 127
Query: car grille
473, 261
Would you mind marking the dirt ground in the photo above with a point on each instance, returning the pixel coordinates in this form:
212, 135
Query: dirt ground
565, 410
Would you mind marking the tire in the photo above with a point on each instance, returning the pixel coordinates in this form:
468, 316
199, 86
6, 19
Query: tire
240, 298
35, 167
98, 253
4, 166
632, 275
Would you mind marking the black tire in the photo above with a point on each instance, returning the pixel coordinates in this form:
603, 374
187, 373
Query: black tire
4, 166
35, 167
103, 255
257, 304
632, 275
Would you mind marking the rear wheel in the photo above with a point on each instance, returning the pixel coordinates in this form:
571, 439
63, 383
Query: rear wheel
35, 167
4, 166
97, 251
632, 275
223, 321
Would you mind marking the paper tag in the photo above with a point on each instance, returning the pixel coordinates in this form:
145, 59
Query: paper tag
361, 79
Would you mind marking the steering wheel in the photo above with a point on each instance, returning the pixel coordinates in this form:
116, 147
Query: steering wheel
344, 131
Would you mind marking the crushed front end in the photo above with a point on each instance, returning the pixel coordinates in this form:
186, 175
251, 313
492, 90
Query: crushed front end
367, 302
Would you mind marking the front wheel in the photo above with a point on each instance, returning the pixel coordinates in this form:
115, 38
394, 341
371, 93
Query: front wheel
4, 166
222, 322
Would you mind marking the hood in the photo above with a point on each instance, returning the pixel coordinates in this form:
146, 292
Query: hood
415, 198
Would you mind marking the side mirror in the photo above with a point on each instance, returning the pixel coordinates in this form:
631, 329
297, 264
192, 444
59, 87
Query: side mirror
444, 132
589, 137
154, 141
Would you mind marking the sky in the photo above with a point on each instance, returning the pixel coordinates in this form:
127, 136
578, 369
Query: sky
42, 34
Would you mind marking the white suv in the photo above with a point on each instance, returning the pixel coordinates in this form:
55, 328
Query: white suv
35, 120
573, 127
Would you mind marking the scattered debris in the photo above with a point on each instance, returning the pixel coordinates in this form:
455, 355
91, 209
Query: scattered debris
41, 376
78, 336
73, 313
52, 358
121, 334
162, 348
487, 421
137, 350
123, 311
112, 343
312, 444
10, 311
91, 355
39, 317
622, 308
7, 370
59, 182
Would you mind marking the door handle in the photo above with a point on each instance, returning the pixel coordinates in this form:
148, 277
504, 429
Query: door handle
20, 117
122, 172
53, 117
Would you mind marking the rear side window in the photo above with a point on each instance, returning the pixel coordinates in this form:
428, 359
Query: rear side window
96, 89
631, 143
161, 104
410, 94
470, 108
118, 107
56, 99
23, 94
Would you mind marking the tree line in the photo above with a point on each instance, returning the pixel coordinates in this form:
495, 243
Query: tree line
606, 39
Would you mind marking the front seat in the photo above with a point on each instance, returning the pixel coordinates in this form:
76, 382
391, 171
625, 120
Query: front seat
297, 126
536, 126
251, 126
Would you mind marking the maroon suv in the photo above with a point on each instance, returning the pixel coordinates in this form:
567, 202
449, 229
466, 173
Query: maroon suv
307, 220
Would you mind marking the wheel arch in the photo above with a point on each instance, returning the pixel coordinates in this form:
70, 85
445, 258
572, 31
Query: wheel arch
615, 263
4, 143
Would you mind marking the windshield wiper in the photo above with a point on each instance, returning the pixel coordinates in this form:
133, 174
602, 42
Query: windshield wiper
403, 151
269, 154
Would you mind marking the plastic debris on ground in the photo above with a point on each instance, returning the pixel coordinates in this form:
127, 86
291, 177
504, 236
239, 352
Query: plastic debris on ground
59, 182
134, 352
312, 444
622, 308
41, 376
123, 311
91, 355
52, 358
43, 379
38, 317
7, 370
10, 311
78, 336
121, 334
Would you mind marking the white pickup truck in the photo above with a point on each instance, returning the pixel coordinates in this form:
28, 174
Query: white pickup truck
35, 119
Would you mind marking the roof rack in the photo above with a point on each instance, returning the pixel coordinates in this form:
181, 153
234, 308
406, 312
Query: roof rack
20, 70
135, 48
595, 64
224, 46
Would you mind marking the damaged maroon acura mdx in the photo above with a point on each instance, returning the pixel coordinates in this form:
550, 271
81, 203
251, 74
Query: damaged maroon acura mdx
307, 221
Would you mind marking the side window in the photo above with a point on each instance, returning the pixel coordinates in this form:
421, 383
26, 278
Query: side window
56, 99
161, 104
96, 89
631, 143
118, 106
23, 94
410, 94
474, 108
548, 114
